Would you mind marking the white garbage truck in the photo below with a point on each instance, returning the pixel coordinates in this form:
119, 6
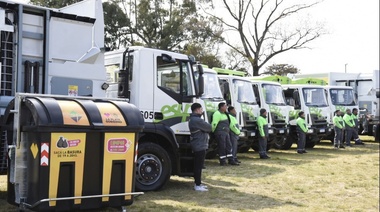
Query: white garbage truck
238, 92
366, 91
312, 100
163, 85
56, 143
270, 96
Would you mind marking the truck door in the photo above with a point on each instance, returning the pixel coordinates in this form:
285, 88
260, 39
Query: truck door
173, 93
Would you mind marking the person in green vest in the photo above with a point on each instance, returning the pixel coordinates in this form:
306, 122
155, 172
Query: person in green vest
301, 132
338, 129
355, 132
221, 128
262, 125
234, 132
349, 124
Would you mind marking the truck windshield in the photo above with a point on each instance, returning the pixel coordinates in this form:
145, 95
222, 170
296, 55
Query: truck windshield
244, 92
342, 97
273, 94
315, 97
211, 86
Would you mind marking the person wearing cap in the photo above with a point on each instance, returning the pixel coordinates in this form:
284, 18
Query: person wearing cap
221, 128
234, 132
338, 129
262, 125
199, 130
301, 132
349, 124
355, 130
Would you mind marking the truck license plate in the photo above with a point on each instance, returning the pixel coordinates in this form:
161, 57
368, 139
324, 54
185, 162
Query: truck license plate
282, 131
322, 130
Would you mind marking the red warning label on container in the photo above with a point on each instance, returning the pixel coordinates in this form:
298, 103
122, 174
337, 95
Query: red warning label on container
118, 145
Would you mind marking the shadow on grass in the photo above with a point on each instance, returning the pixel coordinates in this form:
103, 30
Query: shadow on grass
223, 194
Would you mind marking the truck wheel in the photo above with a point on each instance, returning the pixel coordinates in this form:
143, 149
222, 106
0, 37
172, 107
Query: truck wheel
282, 143
255, 146
153, 167
211, 154
310, 144
312, 141
243, 149
377, 133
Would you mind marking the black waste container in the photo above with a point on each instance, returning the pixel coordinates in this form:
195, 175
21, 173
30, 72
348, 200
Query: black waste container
71, 153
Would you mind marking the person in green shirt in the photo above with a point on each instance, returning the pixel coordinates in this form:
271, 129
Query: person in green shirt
349, 124
355, 130
262, 125
301, 132
338, 129
234, 132
221, 128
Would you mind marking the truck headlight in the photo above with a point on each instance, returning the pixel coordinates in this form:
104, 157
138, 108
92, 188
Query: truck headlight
310, 131
242, 134
270, 131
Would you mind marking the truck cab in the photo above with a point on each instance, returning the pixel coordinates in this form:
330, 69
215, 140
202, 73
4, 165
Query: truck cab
238, 92
340, 98
312, 100
163, 85
211, 98
271, 97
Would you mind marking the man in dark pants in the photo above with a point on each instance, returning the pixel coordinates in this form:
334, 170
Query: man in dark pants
349, 127
262, 125
199, 130
234, 133
221, 128
338, 129
301, 132
355, 130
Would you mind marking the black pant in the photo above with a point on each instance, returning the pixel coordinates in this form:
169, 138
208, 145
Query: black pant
348, 134
224, 145
301, 141
199, 159
263, 145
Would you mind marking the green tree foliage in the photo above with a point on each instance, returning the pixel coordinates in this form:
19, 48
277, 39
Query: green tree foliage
174, 25
53, 3
281, 69
116, 29
203, 55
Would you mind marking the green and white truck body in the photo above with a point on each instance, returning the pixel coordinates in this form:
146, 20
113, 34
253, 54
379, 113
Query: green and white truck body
312, 100
163, 86
270, 96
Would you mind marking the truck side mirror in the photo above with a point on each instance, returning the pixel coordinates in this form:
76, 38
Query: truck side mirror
296, 97
201, 83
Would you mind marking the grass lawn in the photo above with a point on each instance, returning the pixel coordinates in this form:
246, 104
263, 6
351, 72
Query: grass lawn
322, 180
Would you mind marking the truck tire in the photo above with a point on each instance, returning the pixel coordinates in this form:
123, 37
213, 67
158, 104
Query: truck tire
255, 146
153, 167
282, 143
312, 141
211, 154
377, 133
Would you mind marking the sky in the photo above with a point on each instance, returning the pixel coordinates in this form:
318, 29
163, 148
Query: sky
351, 46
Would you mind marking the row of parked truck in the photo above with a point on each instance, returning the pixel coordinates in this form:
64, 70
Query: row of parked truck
61, 52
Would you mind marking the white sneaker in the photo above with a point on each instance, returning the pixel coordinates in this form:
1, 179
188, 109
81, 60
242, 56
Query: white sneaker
200, 188
204, 186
